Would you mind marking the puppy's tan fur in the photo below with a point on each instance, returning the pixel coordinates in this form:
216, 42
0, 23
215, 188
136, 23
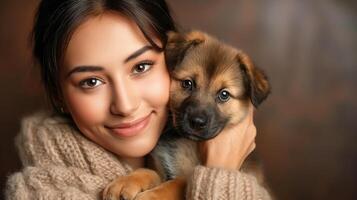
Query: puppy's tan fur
212, 67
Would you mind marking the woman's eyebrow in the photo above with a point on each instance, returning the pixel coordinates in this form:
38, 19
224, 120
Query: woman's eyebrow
85, 68
138, 53
89, 68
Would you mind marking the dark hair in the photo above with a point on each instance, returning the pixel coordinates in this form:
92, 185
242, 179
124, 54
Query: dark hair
56, 21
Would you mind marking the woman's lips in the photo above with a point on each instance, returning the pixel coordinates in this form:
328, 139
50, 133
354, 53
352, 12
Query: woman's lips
132, 128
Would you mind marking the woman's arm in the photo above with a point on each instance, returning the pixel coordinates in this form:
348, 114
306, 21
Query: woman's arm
54, 182
215, 183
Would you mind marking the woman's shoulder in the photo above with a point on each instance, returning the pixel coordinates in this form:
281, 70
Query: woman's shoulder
43, 127
40, 136
48, 139
43, 119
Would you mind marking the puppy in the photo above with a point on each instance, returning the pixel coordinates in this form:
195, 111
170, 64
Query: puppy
212, 87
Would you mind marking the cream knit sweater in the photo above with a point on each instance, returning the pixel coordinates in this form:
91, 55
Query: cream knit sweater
60, 163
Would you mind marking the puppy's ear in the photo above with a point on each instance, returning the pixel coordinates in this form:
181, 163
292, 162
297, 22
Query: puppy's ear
256, 82
178, 44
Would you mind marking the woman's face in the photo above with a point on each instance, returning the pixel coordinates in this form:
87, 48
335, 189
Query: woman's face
115, 85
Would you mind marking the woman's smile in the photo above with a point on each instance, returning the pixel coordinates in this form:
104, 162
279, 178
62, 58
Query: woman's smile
130, 129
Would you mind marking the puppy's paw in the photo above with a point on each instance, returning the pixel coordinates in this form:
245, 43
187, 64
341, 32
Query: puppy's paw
127, 187
123, 188
173, 190
149, 195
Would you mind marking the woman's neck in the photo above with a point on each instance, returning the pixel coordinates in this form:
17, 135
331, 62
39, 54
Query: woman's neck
134, 162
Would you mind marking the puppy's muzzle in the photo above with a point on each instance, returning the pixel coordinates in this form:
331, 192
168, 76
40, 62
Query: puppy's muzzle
198, 121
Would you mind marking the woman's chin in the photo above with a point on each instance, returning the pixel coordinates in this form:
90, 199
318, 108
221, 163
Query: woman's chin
137, 149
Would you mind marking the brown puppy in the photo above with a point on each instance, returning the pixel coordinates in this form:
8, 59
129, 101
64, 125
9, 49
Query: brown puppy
211, 89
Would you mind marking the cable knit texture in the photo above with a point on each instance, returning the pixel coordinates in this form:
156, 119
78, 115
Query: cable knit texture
218, 184
60, 163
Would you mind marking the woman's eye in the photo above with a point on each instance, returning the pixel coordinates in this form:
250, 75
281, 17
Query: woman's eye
223, 96
90, 83
142, 67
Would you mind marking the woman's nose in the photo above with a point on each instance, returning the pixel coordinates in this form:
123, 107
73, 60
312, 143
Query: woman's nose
125, 100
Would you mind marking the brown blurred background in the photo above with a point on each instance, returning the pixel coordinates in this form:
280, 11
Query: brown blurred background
306, 129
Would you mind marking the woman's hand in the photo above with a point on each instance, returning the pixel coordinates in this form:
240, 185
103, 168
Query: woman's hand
231, 147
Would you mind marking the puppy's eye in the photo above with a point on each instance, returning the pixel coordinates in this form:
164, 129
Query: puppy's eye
224, 95
187, 84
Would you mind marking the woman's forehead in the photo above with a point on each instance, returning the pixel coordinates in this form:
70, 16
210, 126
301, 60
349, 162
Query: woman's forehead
104, 37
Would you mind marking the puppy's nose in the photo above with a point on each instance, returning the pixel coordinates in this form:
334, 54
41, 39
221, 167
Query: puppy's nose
198, 122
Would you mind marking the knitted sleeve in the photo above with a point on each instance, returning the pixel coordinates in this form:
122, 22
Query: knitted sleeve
213, 183
54, 182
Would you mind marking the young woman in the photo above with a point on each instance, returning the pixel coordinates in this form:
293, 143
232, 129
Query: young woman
102, 65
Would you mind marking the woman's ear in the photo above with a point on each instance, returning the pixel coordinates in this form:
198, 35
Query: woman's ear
256, 82
178, 44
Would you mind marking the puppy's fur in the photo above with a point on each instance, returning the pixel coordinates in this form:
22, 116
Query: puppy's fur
212, 86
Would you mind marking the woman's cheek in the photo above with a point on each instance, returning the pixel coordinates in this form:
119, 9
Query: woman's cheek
88, 108
156, 88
